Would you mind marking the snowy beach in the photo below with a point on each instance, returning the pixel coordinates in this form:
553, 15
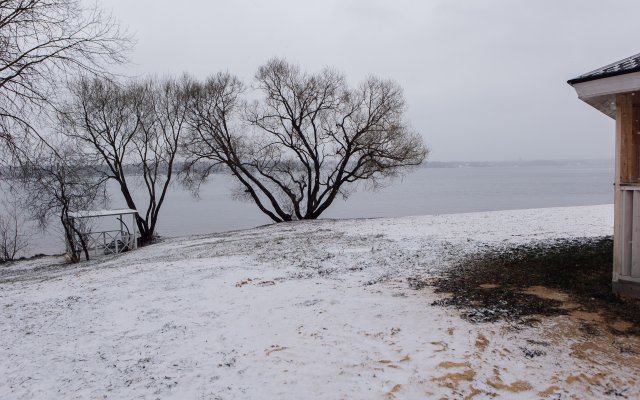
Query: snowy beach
303, 310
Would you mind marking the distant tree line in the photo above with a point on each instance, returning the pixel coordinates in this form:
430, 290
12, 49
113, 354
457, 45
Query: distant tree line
304, 141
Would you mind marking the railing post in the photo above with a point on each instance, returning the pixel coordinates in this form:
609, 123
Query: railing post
135, 232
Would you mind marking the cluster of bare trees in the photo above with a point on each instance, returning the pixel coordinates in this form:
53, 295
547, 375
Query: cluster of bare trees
44, 44
303, 141
126, 133
131, 134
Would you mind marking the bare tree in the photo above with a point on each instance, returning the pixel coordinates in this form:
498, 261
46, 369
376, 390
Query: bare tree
162, 112
42, 42
305, 142
13, 240
58, 183
131, 133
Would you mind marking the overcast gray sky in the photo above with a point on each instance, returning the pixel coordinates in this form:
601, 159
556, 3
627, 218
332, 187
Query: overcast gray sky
484, 80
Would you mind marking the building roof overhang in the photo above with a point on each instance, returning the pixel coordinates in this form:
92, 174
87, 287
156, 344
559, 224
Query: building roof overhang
598, 88
601, 93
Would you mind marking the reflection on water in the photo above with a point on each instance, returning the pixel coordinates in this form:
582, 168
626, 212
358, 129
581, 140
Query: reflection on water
425, 191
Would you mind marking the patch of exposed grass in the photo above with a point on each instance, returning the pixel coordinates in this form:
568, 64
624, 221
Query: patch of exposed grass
491, 285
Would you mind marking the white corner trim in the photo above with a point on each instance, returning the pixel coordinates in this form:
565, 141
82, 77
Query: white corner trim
607, 86
617, 277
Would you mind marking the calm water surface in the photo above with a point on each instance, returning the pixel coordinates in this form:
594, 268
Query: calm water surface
424, 191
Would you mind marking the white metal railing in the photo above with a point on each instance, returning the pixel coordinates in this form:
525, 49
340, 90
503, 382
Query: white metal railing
102, 242
107, 242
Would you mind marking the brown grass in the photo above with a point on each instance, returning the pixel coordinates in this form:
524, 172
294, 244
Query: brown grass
522, 283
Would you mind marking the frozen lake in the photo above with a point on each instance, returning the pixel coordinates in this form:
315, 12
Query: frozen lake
424, 191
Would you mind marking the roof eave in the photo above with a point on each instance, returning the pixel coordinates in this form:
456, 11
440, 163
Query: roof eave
589, 78
601, 93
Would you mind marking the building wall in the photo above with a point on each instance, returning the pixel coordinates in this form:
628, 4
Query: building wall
626, 263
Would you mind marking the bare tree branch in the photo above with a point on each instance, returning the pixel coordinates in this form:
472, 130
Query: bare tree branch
42, 44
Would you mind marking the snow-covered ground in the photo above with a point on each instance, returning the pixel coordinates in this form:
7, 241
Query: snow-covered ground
305, 310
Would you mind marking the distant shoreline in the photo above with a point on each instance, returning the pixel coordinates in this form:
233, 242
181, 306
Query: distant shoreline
520, 163
6, 173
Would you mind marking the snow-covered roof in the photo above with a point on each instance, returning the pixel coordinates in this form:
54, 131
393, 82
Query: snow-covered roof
101, 213
624, 66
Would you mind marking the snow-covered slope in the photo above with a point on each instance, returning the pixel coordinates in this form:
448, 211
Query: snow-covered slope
300, 310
